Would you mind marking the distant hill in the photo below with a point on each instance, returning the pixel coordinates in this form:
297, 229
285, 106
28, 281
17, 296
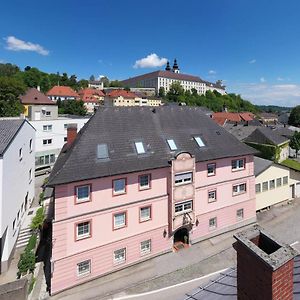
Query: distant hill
273, 108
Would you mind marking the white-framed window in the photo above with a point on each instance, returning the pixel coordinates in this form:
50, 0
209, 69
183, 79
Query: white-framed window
211, 169
30, 175
119, 186
145, 247
83, 193
20, 154
47, 142
265, 186
119, 220
238, 164
183, 207
144, 181
199, 141
240, 214
239, 189
212, 223
83, 230
47, 128
279, 182
30, 145
272, 184
212, 196
285, 180
84, 268
183, 178
120, 256
172, 144
257, 188
145, 213
139, 146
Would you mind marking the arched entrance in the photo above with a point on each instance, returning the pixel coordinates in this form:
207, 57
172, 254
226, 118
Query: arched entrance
181, 236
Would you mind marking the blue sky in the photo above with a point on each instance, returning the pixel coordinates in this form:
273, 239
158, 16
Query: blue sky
253, 45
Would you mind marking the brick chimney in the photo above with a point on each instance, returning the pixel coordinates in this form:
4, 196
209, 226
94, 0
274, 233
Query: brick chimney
71, 133
264, 266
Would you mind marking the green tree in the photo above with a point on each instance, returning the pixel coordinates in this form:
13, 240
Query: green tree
162, 92
127, 88
8, 70
115, 83
295, 142
105, 81
176, 92
72, 107
82, 84
38, 220
294, 118
10, 90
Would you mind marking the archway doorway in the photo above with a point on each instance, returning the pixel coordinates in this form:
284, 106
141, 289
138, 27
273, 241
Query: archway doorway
181, 236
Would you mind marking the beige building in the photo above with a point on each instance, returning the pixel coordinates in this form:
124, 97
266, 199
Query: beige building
274, 183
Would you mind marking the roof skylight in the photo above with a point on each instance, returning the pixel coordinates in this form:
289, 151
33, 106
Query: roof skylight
102, 151
199, 141
139, 147
172, 144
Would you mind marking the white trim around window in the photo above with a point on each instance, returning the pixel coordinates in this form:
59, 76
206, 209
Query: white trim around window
83, 230
145, 247
183, 178
183, 207
238, 164
83, 193
238, 189
84, 268
119, 256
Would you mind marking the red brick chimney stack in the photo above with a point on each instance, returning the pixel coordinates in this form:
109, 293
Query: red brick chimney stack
71, 133
264, 266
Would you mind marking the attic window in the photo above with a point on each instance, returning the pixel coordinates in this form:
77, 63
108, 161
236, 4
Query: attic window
139, 147
172, 144
102, 151
199, 141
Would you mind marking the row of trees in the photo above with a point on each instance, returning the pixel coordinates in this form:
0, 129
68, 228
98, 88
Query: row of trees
294, 118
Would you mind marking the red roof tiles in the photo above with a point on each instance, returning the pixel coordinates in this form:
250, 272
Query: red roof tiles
122, 93
35, 97
221, 117
64, 91
90, 95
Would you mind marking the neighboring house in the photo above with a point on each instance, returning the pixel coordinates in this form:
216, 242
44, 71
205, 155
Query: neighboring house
268, 118
62, 93
240, 131
225, 117
122, 97
272, 183
149, 182
38, 106
17, 144
270, 144
96, 84
51, 135
92, 98
158, 79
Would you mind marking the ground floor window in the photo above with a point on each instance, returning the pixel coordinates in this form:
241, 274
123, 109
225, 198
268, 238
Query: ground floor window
120, 256
240, 214
213, 223
84, 268
145, 247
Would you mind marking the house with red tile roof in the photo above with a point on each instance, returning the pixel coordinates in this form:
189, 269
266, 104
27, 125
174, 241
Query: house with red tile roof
62, 93
91, 98
223, 117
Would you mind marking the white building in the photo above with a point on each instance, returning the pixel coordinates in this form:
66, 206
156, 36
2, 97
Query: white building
166, 78
17, 150
51, 135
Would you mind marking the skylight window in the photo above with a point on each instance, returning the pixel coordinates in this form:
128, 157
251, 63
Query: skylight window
102, 151
139, 147
199, 141
172, 145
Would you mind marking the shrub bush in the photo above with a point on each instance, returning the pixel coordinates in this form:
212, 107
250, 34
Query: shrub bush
38, 219
31, 243
26, 262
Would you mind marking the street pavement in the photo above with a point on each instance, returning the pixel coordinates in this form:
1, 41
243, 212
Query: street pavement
174, 268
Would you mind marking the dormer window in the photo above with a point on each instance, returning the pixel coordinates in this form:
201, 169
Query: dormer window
139, 147
172, 144
199, 141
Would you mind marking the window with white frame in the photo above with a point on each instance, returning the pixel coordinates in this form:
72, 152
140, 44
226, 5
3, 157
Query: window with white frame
199, 141
83, 193
183, 207
258, 188
239, 189
265, 186
272, 184
240, 214
212, 196
211, 169
145, 213
213, 223
119, 186
120, 256
285, 180
278, 182
238, 164
139, 146
84, 268
83, 230
144, 181
47, 128
119, 220
20, 154
183, 178
145, 247
47, 142
172, 144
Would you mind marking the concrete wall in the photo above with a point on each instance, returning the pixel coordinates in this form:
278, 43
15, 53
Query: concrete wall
38, 112
16, 290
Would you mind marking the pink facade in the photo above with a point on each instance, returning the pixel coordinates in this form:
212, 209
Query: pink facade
162, 196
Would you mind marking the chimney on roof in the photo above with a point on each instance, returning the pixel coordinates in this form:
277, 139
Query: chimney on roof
71, 133
38, 88
264, 266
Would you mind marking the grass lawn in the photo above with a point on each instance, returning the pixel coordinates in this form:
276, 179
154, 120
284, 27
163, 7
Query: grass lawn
291, 164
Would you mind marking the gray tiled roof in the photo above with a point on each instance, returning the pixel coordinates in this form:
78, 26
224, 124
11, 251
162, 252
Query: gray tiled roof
265, 135
8, 130
261, 165
240, 131
120, 127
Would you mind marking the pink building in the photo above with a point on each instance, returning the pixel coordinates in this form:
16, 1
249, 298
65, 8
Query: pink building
139, 182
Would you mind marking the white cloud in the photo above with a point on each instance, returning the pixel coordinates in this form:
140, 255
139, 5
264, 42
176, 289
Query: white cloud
151, 61
212, 72
252, 61
262, 79
14, 44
